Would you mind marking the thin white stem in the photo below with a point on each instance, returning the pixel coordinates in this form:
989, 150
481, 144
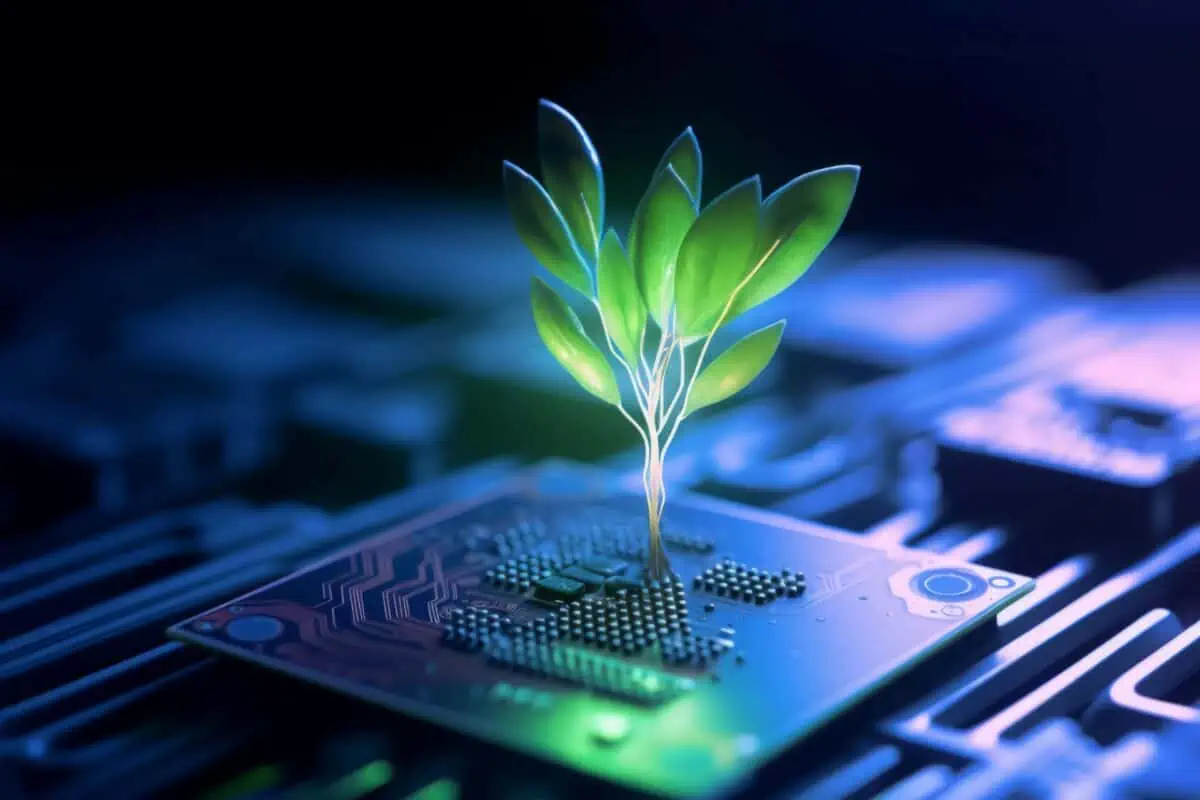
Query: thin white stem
664, 344
682, 380
649, 436
592, 225
654, 486
651, 440
638, 391
666, 415
708, 340
642, 350
645, 436
636, 426
662, 385
655, 366
654, 375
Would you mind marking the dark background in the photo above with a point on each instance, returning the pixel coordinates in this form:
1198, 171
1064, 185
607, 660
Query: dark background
178, 324
1069, 128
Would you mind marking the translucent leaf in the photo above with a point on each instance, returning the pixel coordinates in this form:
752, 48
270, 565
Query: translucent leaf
571, 170
661, 220
715, 256
803, 216
621, 305
543, 229
684, 157
563, 335
734, 369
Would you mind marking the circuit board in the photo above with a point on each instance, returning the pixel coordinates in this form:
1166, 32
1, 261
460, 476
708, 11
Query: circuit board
525, 618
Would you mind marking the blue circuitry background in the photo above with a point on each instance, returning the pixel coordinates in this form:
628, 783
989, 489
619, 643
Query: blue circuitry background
274, 307
197, 446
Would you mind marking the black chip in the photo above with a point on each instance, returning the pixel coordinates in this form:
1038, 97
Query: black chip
556, 587
602, 565
618, 583
585, 576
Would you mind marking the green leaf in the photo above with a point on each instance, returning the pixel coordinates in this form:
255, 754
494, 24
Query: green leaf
715, 256
571, 170
803, 216
734, 369
543, 230
563, 336
621, 305
660, 222
684, 157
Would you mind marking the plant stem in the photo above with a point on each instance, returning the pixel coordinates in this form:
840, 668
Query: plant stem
638, 390
642, 350
649, 398
656, 562
681, 347
657, 412
708, 340
656, 557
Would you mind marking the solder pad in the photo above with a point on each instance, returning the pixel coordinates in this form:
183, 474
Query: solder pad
520, 618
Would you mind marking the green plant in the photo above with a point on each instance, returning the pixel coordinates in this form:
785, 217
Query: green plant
687, 272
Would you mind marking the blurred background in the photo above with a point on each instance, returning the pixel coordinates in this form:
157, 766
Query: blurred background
259, 297
1059, 127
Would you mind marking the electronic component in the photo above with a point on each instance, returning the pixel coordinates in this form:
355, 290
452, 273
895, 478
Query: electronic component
1118, 427
1162, 768
909, 306
730, 579
591, 580
540, 594
602, 565
558, 587
1052, 761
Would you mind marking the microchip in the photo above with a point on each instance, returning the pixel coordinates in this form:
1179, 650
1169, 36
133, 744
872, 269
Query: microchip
558, 587
602, 565
590, 580
621, 583
1119, 428
657, 687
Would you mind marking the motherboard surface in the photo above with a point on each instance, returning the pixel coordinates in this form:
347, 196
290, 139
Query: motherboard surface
526, 618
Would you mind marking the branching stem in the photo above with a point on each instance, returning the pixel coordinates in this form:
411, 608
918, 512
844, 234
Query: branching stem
638, 390
708, 341
649, 380
681, 348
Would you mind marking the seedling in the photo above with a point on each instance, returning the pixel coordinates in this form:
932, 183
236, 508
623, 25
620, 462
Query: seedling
687, 272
